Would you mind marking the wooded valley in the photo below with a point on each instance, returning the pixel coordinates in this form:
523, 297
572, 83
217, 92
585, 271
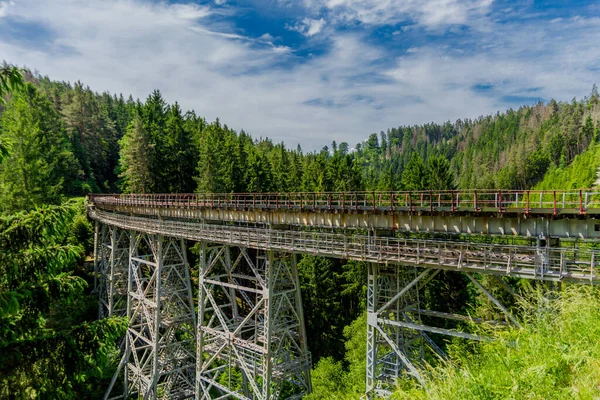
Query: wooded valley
60, 141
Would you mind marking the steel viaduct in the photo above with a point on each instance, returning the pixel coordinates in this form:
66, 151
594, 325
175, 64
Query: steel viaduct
249, 318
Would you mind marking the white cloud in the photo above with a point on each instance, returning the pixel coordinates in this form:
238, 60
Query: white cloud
430, 13
309, 27
190, 11
4, 7
314, 26
343, 94
267, 37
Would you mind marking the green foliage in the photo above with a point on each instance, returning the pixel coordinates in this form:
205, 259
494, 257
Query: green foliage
11, 80
135, 150
60, 140
336, 380
440, 176
50, 345
154, 147
435, 175
41, 166
327, 379
93, 134
415, 175
322, 304
581, 173
556, 356
333, 295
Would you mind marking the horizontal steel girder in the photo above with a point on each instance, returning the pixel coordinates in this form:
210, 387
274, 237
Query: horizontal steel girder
506, 214
550, 264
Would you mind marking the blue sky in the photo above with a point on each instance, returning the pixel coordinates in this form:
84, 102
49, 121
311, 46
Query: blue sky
313, 71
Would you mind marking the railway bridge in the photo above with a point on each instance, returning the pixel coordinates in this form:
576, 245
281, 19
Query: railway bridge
246, 339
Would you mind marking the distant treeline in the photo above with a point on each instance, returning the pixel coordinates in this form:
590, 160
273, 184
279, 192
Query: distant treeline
64, 139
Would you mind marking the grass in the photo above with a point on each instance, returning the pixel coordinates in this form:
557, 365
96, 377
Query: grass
555, 356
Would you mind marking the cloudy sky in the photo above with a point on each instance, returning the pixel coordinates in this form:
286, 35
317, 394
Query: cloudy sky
313, 71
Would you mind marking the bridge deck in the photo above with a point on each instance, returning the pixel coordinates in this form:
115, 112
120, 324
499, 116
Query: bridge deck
551, 264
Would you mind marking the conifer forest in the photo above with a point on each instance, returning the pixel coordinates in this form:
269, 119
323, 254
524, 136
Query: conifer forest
60, 141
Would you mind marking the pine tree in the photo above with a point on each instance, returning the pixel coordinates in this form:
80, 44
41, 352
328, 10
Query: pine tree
258, 176
439, 174
180, 159
40, 168
154, 114
93, 133
415, 176
135, 168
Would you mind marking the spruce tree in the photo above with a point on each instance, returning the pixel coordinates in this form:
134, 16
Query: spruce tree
135, 168
40, 168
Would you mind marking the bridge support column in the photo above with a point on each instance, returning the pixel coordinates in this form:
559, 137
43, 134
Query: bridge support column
392, 305
396, 336
159, 353
251, 335
111, 265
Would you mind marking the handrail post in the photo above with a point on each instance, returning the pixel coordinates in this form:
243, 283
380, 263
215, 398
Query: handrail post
500, 201
554, 211
580, 202
430, 202
527, 206
475, 200
373, 200
391, 201
452, 200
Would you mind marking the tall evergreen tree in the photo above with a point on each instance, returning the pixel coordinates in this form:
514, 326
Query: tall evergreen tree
135, 168
439, 173
40, 167
415, 176
93, 134
154, 114
180, 158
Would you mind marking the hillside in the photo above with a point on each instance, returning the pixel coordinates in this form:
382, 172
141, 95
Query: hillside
106, 143
60, 140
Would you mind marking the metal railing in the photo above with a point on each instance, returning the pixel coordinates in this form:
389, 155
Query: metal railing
579, 201
554, 264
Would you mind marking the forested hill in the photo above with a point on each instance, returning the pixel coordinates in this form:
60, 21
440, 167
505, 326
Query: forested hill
64, 140
60, 140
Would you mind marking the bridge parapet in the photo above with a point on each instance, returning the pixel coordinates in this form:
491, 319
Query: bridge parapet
553, 202
561, 214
